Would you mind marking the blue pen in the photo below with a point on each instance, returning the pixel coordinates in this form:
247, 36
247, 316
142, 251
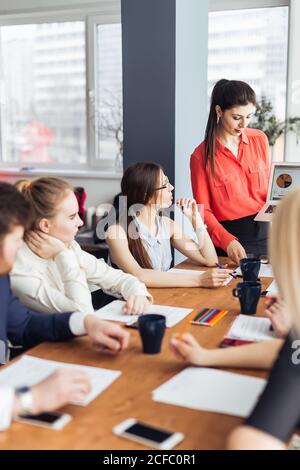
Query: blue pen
222, 267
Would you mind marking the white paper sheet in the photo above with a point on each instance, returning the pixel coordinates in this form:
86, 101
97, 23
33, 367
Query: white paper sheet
189, 271
265, 271
30, 370
272, 289
211, 390
250, 328
114, 312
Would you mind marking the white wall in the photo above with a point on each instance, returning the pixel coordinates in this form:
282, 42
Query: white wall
191, 92
293, 97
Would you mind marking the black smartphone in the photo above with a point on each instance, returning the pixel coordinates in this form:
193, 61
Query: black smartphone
48, 420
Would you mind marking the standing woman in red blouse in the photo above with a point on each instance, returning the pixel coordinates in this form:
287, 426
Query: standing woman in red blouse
230, 172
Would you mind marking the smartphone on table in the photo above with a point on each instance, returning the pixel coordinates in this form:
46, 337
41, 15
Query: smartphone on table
149, 435
53, 420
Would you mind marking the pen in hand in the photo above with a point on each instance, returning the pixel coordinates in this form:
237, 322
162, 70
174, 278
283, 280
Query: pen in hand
218, 265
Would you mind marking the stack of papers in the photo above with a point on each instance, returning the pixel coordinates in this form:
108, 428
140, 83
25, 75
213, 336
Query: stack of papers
189, 271
211, 390
30, 370
114, 312
250, 328
265, 271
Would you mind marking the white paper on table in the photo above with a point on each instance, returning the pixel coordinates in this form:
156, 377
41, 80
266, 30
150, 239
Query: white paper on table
265, 271
189, 271
250, 328
114, 312
211, 390
30, 370
272, 289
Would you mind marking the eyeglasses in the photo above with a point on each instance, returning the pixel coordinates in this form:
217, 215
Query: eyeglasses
166, 184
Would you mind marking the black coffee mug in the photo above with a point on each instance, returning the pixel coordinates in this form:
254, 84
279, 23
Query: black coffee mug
248, 294
152, 329
250, 269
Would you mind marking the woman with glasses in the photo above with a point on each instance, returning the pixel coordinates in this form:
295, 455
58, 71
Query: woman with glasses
140, 241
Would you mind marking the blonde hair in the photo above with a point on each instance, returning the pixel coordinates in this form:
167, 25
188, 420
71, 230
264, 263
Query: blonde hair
285, 254
43, 194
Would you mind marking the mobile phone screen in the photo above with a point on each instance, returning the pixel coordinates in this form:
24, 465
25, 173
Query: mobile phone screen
49, 418
148, 432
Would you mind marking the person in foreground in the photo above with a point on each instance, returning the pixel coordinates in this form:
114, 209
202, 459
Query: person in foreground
277, 412
20, 326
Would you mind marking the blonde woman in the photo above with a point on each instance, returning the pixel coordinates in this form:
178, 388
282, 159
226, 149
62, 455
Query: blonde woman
52, 273
277, 413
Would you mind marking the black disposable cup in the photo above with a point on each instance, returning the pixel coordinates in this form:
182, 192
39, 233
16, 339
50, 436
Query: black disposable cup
152, 329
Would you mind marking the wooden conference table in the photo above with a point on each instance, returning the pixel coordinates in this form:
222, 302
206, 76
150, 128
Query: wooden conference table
130, 395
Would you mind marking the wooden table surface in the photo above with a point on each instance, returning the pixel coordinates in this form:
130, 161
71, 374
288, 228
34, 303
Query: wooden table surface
130, 395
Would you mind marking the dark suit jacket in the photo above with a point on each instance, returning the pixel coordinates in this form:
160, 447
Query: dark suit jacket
23, 327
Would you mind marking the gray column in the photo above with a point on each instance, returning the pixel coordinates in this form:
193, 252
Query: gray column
165, 46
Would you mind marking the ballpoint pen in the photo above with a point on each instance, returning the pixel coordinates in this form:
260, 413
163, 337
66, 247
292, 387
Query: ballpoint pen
218, 265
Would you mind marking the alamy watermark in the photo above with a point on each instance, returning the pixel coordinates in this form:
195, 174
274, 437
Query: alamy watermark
296, 354
125, 217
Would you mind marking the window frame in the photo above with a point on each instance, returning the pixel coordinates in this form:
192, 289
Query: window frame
106, 13
220, 5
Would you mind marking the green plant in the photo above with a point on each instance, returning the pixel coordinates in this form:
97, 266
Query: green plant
273, 127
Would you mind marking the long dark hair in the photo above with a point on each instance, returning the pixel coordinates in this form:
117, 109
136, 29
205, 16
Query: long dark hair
227, 94
139, 184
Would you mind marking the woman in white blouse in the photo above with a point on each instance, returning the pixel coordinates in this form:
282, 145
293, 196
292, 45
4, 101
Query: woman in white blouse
52, 273
143, 247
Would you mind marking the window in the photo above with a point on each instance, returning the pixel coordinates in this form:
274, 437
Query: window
109, 108
251, 45
48, 69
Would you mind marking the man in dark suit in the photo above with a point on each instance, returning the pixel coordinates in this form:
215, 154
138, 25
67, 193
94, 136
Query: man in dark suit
20, 326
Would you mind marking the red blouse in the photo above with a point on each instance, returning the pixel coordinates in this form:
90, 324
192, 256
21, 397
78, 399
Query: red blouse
239, 186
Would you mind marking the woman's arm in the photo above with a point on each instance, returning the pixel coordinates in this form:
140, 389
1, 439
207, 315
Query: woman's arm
35, 291
202, 252
122, 257
98, 273
277, 412
251, 356
248, 438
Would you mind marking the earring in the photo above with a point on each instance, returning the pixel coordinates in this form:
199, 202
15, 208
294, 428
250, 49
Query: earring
218, 119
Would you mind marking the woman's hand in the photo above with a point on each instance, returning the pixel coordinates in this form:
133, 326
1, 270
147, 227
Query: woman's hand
44, 245
189, 350
136, 304
236, 251
276, 312
190, 210
214, 277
